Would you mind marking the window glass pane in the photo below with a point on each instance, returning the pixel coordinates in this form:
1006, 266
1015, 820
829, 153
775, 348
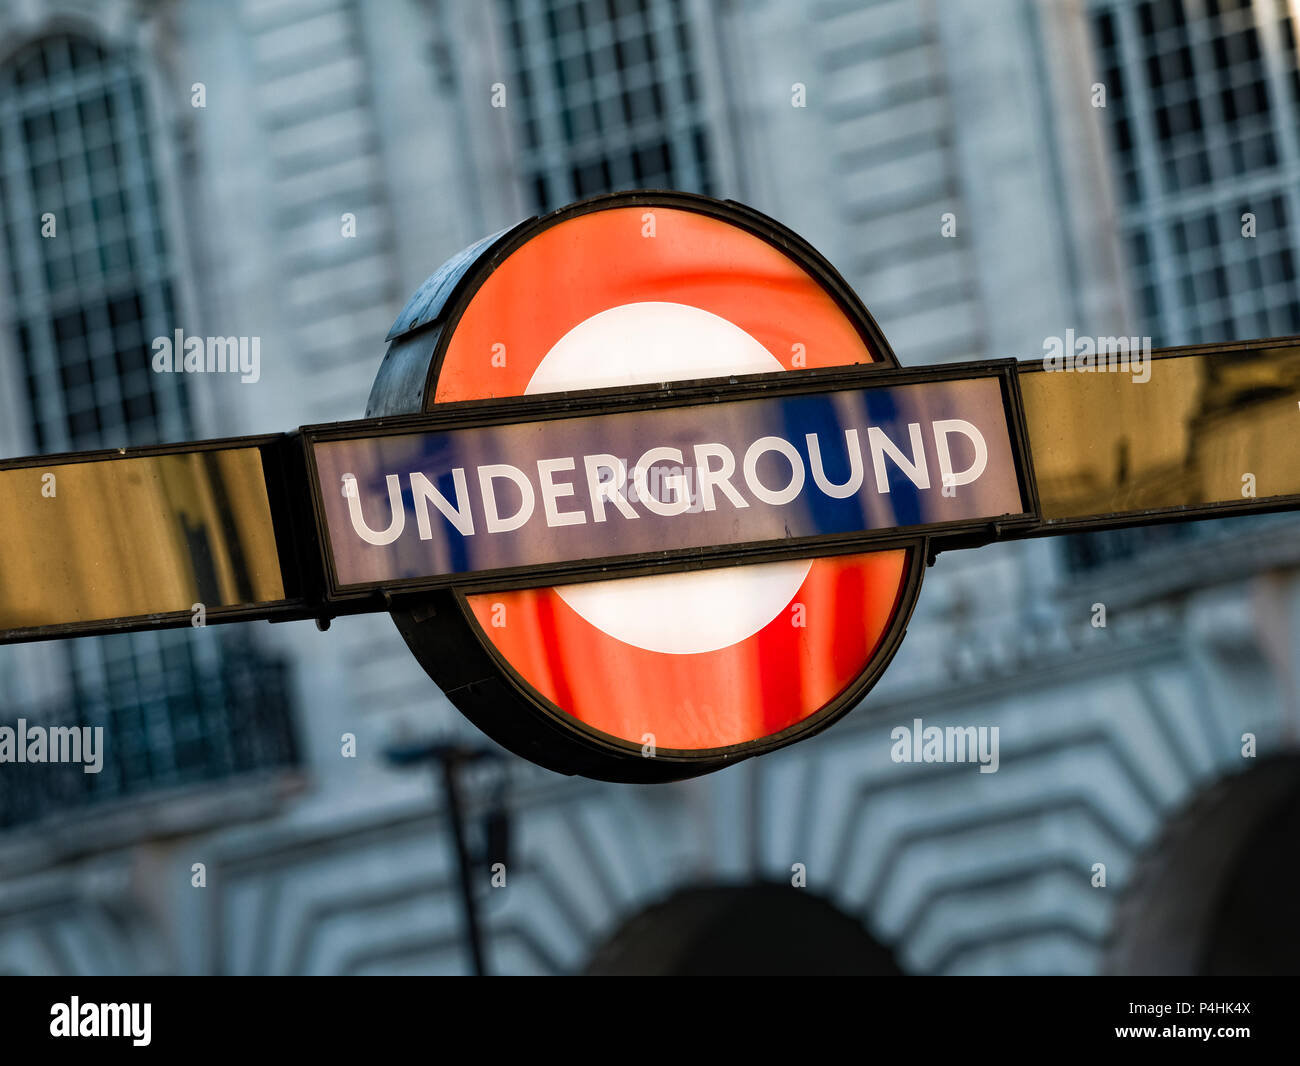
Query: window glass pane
612, 98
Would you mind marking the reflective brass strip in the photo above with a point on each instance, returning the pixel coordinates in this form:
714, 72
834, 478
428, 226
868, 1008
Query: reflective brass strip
117, 538
1203, 428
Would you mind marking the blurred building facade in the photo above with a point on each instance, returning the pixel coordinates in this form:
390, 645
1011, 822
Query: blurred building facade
863, 126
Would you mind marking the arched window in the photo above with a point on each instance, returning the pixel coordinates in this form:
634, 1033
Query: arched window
90, 284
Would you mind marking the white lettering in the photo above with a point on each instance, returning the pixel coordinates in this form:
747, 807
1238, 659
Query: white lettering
942, 428
395, 526
914, 468
611, 490
720, 478
675, 482
546, 469
776, 497
838, 492
488, 474
423, 492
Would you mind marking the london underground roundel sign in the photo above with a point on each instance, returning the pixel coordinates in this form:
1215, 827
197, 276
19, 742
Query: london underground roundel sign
643, 487
663, 676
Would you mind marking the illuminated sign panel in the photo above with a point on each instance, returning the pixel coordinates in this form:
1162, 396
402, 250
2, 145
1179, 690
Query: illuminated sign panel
415, 506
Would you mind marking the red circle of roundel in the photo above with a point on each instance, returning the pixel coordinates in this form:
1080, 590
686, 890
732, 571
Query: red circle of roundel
822, 639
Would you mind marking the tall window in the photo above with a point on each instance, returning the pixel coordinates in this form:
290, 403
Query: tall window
1203, 110
608, 97
1202, 104
86, 300
90, 285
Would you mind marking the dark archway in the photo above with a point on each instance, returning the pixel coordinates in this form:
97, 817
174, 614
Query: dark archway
730, 930
1215, 895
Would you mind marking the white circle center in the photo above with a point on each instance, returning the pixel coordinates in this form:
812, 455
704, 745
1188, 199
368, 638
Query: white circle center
648, 343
